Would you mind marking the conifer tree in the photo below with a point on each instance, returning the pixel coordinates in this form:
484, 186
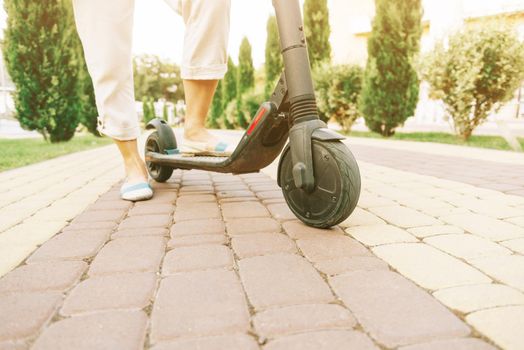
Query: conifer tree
230, 83
317, 30
273, 65
391, 84
246, 71
43, 62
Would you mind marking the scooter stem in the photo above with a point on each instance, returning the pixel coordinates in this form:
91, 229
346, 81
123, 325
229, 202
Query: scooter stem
301, 94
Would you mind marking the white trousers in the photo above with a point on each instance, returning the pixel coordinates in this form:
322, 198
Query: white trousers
105, 28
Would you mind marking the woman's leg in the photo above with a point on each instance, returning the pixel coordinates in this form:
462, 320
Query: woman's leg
105, 28
204, 61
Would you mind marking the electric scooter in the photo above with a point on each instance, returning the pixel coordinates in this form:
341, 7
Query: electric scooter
319, 176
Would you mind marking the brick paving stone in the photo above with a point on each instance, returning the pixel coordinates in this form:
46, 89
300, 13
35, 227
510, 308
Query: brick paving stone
331, 247
234, 194
199, 303
281, 212
162, 197
196, 188
280, 280
111, 205
160, 208
24, 314
517, 245
198, 227
488, 207
146, 221
438, 270
73, 245
502, 325
229, 342
301, 318
507, 269
298, 230
466, 246
243, 210
273, 201
44, 276
404, 217
323, 340
100, 215
138, 232
373, 235
467, 299
122, 291
361, 217
264, 188
187, 241
90, 226
490, 228
137, 254
203, 257
255, 244
104, 330
187, 183
232, 187
252, 225
196, 198
393, 310
13, 346
356, 263
455, 344
519, 221
428, 231
270, 194
238, 199
368, 200
197, 211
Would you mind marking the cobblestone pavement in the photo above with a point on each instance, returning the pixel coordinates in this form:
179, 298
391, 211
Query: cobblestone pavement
37, 201
219, 262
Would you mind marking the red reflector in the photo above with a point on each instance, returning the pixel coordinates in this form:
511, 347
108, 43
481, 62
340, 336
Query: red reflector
255, 121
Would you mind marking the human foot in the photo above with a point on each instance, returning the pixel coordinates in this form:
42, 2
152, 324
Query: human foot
202, 142
136, 185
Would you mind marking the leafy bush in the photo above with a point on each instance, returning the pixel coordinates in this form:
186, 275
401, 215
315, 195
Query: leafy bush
274, 64
43, 61
239, 112
148, 109
475, 74
338, 90
391, 85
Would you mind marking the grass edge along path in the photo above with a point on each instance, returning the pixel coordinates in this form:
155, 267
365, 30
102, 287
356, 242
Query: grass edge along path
479, 141
15, 153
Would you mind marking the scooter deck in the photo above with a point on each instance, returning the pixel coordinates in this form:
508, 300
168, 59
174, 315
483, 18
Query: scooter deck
261, 144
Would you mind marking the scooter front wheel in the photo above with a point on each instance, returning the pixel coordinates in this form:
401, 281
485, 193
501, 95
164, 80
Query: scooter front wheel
158, 172
337, 185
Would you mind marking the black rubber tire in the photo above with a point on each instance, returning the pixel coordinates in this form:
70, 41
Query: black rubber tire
158, 172
337, 185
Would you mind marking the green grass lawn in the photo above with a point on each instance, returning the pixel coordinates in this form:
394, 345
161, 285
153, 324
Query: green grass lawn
19, 152
493, 142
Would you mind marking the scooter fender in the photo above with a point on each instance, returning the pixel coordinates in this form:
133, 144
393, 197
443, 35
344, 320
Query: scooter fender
165, 132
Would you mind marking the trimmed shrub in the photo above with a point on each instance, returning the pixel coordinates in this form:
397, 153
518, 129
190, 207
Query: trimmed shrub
338, 91
274, 64
42, 58
391, 85
475, 74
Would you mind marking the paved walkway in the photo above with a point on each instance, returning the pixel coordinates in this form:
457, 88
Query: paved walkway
219, 262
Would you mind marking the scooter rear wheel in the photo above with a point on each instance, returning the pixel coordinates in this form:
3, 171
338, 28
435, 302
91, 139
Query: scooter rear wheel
337, 185
158, 172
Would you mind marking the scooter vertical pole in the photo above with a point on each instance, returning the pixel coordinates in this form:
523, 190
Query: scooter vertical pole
296, 62
303, 107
